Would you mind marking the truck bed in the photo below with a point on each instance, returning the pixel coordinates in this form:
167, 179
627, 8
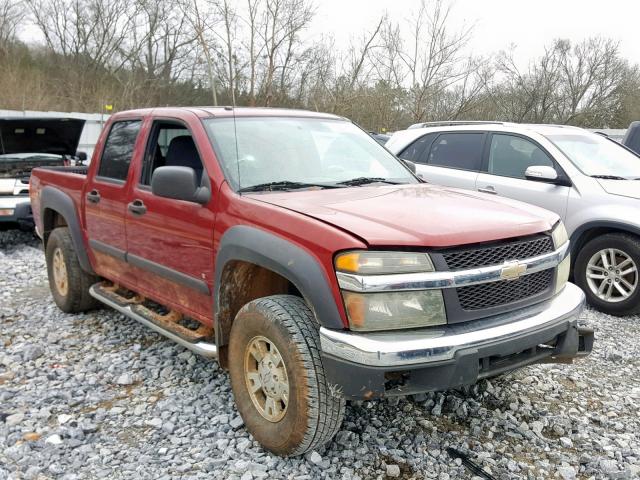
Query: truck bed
69, 180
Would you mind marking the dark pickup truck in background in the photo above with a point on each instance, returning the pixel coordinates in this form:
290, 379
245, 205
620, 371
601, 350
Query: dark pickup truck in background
27, 143
308, 259
631, 138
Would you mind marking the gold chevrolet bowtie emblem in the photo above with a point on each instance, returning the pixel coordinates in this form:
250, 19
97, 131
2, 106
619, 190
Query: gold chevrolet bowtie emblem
512, 270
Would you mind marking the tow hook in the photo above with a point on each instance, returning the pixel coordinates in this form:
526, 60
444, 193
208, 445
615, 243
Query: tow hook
585, 341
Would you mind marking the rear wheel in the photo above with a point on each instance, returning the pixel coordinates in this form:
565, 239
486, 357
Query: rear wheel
68, 282
278, 379
607, 270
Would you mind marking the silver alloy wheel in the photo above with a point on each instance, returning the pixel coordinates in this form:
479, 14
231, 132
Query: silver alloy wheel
266, 377
612, 275
60, 276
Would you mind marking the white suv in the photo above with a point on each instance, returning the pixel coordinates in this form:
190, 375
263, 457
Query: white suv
592, 182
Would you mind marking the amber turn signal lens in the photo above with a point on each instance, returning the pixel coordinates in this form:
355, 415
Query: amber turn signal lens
348, 262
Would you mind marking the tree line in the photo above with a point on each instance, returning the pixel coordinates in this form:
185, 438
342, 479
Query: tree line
145, 53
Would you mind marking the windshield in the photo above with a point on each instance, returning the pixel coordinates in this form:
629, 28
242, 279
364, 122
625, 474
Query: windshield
302, 150
597, 156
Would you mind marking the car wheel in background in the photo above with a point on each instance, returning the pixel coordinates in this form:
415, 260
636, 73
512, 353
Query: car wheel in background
607, 270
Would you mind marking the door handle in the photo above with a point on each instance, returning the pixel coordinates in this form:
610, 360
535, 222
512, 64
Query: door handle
137, 207
488, 189
93, 196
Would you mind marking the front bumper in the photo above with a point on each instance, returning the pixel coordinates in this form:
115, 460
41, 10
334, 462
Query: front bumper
16, 209
438, 358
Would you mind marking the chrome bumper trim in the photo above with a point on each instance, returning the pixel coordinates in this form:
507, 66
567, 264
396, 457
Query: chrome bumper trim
398, 348
452, 279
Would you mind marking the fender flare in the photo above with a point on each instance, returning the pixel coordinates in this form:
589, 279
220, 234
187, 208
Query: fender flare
53, 199
610, 224
264, 249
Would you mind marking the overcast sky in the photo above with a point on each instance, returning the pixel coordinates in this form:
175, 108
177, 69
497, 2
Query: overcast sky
528, 24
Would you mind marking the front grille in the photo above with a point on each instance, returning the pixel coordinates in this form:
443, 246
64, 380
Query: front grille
498, 254
487, 295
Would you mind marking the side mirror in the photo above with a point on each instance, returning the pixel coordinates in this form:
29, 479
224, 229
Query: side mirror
179, 183
541, 173
82, 156
410, 165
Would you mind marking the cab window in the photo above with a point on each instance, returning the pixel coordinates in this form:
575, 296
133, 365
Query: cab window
170, 144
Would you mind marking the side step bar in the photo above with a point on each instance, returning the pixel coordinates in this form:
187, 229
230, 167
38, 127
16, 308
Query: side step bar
205, 349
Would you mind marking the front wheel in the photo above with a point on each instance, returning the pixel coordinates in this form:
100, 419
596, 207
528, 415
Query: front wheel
607, 271
277, 376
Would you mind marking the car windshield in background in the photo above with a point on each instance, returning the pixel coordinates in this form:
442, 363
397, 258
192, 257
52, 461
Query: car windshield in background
598, 156
293, 152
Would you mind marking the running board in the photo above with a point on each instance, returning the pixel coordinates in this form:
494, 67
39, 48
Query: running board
205, 349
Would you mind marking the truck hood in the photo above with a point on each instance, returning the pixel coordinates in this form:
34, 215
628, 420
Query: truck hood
57, 136
416, 215
624, 188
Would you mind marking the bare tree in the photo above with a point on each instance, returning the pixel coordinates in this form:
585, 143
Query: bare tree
93, 31
200, 22
431, 60
592, 71
11, 16
283, 22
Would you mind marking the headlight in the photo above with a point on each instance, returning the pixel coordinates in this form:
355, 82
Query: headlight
562, 274
390, 311
380, 263
559, 235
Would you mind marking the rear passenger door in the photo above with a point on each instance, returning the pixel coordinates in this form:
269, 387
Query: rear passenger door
106, 199
170, 242
452, 159
508, 157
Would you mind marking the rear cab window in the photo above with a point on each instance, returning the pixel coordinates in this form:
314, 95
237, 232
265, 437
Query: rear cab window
462, 151
118, 150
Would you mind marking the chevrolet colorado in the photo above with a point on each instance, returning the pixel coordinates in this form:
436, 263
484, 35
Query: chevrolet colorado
307, 259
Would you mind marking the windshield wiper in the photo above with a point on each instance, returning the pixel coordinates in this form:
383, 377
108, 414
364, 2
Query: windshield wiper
609, 177
284, 185
354, 182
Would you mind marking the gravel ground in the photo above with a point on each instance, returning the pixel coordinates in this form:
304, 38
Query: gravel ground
99, 396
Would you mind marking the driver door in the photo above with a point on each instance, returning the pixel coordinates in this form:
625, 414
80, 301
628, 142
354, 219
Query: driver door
504, 168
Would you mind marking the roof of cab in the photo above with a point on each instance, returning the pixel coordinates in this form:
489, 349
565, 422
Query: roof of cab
228, 111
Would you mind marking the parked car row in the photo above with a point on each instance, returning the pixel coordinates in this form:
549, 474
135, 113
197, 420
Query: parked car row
590, 181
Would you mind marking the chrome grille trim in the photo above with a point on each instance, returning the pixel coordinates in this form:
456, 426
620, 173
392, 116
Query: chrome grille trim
445, 279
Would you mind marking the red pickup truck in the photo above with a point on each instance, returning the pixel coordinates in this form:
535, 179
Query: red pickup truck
308, 259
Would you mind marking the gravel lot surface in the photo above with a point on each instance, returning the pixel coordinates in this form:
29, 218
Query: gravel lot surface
99, 396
